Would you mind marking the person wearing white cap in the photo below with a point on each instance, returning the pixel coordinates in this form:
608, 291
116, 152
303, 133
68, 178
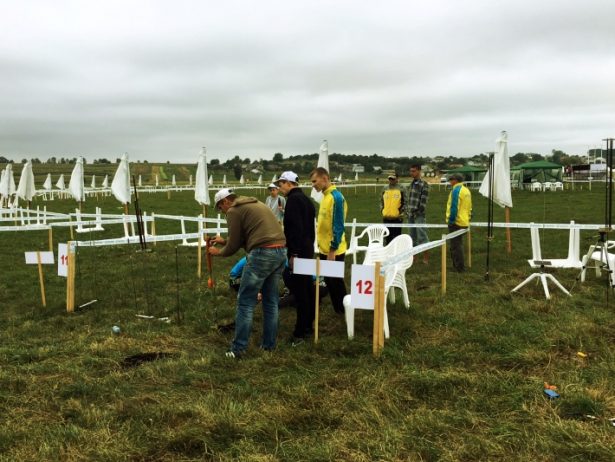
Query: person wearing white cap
275, 202
252, 226
299, 230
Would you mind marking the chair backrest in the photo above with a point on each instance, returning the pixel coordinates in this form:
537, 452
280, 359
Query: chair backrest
536, 251
574, 243
376, 233
400, 244
376, 253
536, 186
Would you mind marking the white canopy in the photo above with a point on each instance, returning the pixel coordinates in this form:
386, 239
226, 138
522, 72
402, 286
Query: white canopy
26, 188
120, 186
93, 184
201, 189
47, 184
60, 184
75, 185
105, 183
501, 174
323, 161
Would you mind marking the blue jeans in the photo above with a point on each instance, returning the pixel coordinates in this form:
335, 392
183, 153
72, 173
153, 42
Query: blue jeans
419, 235
262, 273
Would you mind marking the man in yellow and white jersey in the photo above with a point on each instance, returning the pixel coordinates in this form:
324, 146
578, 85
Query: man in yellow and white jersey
392, 204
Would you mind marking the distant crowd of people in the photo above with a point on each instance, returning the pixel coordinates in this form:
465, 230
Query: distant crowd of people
273, 234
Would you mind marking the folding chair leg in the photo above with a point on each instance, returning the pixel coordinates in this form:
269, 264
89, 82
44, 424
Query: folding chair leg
350, 322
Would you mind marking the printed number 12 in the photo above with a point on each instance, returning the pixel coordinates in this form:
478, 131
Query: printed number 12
365, 287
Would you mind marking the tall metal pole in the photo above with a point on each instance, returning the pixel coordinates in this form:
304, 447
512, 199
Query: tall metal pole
489, 215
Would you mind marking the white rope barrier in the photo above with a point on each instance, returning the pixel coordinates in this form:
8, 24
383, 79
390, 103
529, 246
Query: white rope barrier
160, 238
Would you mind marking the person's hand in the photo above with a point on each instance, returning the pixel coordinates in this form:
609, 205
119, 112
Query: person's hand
331, 255
218, 240
213, 251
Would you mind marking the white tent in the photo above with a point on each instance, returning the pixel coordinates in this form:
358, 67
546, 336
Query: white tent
47, 185
26, 188
75, 185
120, 186
224, 180
201, 189
501, 174
242, 180
93, 184
105, 183
60, 184
211, 180
260, 179
173, 183
323, 161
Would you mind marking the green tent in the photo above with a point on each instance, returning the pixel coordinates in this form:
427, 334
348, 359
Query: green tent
540, 171
470, 173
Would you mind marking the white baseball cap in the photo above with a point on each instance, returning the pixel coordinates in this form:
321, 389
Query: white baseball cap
223, 194
273, 185
289, 176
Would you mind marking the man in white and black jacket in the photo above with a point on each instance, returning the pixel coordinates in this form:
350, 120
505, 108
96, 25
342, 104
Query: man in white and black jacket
299, 215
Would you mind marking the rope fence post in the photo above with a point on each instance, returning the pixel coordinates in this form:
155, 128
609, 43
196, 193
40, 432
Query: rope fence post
469, 248
443, 281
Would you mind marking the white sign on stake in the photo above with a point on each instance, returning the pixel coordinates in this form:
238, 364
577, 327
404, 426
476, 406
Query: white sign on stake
63, 260
46, 258
363, 286
307, 266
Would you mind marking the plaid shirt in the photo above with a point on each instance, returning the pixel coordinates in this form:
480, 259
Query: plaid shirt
418, 193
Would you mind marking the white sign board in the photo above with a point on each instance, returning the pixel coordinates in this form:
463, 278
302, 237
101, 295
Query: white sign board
63, 260
332, 269
46, 258
363, 285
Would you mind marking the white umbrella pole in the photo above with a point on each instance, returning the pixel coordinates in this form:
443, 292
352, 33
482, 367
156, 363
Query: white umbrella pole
508, 238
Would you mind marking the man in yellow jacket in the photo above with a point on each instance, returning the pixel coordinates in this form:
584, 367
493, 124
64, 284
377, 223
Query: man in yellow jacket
330, 232
458, 214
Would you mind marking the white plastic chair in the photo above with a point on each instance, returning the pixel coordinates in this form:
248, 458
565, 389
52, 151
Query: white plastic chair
602, 258
375, 234
547, 186
400, 244
536, 186
558, 185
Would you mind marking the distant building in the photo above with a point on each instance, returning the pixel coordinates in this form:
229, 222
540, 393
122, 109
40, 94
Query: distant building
358, 168
377, 168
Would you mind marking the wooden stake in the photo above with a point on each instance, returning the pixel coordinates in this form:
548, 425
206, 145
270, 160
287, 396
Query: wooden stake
376, 333
443, 282
40, 278
508, 238
154, 228
317, 301
198, 257
72, 236
381, 298
70, 279
469, 248
50, 239
126, 209
204, 222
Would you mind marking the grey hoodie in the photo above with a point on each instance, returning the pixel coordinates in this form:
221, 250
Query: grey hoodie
250, 225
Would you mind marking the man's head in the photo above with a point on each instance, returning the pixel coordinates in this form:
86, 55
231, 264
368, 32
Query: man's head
393, 179
287, 181
415, 171
224, 199
273, 190
455, 178
320, 179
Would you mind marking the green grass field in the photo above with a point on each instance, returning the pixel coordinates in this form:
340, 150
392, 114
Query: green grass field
460, 379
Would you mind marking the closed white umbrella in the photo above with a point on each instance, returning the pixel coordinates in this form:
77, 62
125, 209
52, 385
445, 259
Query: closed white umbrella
2, 186
173, 183
140, 181
211, 180
26, 188
274, 179
60, 184
201, 189
242, 180
260, 179
323, 161
356, 176
120, 186
105, 183
93, 184
190, 181
157, 180
10, 178
75, 185
224, 180
47, 184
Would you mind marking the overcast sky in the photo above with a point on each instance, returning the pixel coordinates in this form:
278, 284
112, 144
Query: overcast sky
160, 79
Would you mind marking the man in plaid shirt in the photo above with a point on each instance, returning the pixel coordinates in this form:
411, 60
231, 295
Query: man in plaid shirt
418, 193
